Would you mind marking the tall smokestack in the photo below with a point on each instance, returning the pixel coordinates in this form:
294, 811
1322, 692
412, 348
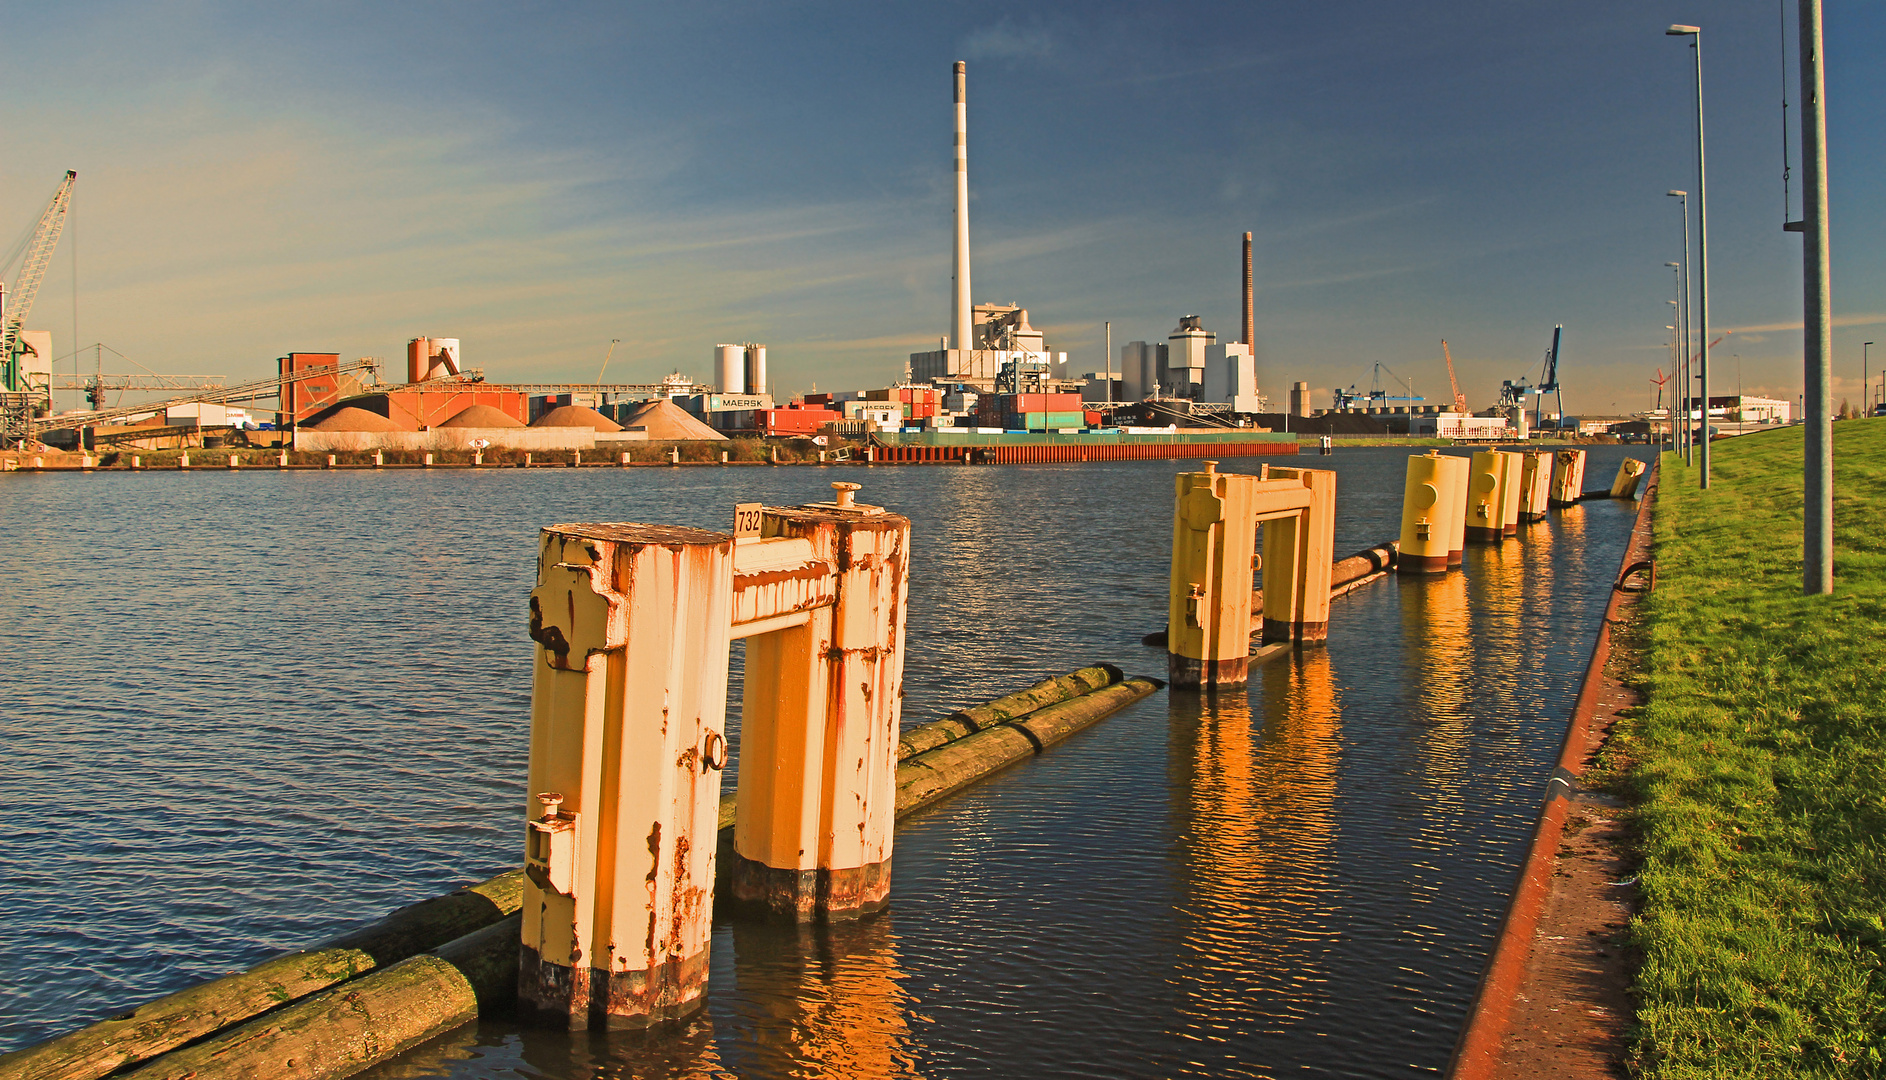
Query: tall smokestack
1250, 325
959, 304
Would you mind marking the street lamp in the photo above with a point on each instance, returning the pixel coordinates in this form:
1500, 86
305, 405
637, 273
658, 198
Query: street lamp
1866, 379
1702, 242
1684, 361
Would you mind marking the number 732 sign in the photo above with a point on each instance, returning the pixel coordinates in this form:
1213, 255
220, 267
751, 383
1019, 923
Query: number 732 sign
746, 520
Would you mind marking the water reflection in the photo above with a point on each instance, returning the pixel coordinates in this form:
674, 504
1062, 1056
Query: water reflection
821, 1001
1253, 781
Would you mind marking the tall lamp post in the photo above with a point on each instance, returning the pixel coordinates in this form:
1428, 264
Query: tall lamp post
1817, 518
1866, 379
1680, 338
1702, 247
1689, 442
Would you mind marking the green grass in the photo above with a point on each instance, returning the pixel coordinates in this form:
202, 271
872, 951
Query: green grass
1758, 764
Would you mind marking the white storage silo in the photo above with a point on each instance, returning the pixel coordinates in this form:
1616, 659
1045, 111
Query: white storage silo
756, 369
444, 358
730, 369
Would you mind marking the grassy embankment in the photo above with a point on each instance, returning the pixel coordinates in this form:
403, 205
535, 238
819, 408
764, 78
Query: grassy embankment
1758, 763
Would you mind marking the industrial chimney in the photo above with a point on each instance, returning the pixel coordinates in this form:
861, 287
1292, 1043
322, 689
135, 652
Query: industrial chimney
960, 327
1250, 326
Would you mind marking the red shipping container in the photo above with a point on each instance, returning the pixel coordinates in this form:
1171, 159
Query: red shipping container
1093, 418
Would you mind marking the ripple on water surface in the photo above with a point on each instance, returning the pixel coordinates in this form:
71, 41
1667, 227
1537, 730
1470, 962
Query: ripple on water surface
267, 707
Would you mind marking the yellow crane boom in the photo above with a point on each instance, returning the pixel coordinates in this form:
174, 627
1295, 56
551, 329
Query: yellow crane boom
1460, 399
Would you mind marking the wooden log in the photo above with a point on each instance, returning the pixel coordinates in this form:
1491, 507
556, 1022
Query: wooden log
931, 776
969, 721
178, 1018
343, 1030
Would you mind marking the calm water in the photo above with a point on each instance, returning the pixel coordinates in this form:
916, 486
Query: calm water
243, 713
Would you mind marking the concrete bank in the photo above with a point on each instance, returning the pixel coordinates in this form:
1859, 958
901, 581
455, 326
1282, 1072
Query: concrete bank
1487, 1040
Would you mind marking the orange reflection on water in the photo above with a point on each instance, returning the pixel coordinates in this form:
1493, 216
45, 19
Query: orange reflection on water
830, 1000
1255, 792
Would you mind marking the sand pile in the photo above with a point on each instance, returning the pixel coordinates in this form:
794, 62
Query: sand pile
354, 419
576, 416
666, 421
482, 416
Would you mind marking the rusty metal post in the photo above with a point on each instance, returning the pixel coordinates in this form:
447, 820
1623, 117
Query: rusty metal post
820, 594
628, 710
1568, 478
1299, 551
1208, 608
1535, 476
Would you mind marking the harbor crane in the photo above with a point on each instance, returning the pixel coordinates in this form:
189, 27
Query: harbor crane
1549, 383
19, 300
1460, 399
1346, 399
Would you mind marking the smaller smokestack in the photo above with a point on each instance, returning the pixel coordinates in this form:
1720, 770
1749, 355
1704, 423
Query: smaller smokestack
1250, 325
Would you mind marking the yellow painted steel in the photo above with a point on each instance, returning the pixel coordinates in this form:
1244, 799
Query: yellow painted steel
1460, 470
1299, 552
1425, 529
1535, 478
1568, 477
1486, 497
628, 707
1214, 539
1630, 471
1509, 491
818, 793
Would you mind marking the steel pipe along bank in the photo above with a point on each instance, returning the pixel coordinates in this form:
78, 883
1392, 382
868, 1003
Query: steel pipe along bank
339, 1008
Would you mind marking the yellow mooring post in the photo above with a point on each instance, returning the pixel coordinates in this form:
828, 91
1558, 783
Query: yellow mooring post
1299, 550
1486, 497
628, 707
1214, 526
1208, 607
820, 593
1630, 471
1460, 471
1427, 496
1535, 477
1509, 492
1568, 477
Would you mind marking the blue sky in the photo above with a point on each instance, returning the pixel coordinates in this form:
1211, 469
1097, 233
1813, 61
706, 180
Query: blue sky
538, 179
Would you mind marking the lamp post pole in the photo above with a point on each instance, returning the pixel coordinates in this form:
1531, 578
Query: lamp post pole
1817, 534
1702, 252
1688, 444
1866, 379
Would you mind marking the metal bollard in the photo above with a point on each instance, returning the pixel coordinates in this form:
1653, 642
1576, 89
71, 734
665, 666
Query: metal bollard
628, 710
1535, 477
1427, 496
137, 462
1630, 471
527, 461
333, 461
1215, 518
1461, 470
234, 461
183, 461
1486, 501
379, 459
1568, 478
478, 458
674, 456
625, 458
281, 460
576, 459
723, 457
428, 461
820, 596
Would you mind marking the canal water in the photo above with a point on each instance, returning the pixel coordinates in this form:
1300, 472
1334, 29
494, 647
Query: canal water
243, 713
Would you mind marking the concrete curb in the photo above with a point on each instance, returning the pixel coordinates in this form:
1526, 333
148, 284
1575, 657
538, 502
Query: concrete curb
1477, 1052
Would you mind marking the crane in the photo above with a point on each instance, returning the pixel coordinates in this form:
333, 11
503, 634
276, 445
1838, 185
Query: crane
1460, 399
1549, 383
19, 302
